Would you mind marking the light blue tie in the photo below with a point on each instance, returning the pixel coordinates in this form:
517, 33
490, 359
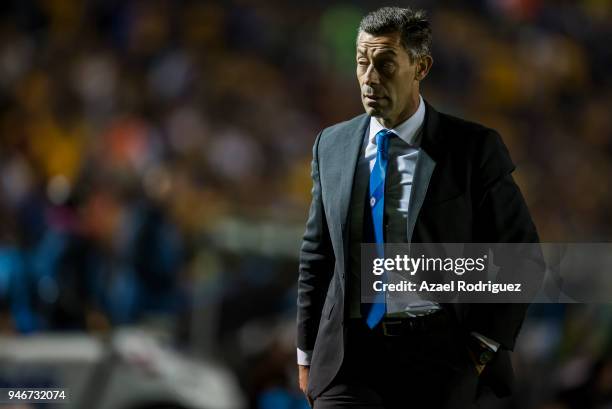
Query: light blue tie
377, 207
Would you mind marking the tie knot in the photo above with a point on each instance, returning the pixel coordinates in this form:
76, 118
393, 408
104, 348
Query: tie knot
382, 140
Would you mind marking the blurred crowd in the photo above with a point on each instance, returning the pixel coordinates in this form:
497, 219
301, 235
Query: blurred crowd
155, 164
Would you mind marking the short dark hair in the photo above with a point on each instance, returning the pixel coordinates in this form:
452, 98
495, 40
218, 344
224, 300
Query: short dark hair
413, 26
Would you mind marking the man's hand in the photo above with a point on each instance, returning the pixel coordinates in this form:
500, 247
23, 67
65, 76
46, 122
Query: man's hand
303, 372
480, 353
479, 367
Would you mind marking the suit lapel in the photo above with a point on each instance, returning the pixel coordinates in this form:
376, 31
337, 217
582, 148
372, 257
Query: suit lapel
422, 175
350, 146
351, 143
424, 168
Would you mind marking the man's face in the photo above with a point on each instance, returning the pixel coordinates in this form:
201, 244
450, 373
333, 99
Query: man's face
387, 77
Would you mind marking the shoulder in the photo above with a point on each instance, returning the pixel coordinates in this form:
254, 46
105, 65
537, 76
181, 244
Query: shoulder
471, 138
344, 126
464, 131
332, 134
482, 146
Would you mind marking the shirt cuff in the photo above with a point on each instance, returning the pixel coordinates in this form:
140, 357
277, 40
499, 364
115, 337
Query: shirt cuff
487, 341
304, 357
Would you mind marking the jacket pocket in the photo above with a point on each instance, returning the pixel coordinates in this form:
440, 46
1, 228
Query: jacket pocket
328, 307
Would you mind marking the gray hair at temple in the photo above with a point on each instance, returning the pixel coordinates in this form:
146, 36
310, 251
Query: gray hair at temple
413, 26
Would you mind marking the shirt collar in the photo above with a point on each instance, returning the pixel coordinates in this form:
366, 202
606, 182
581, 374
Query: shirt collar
407, 130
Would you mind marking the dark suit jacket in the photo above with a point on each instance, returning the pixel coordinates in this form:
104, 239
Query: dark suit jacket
463, 192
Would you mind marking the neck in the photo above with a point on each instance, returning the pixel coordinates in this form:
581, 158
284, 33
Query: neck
411, 108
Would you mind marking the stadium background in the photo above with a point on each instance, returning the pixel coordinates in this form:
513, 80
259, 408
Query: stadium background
154, 168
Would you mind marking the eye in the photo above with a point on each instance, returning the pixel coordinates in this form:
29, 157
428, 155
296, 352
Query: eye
387, 66
362, 61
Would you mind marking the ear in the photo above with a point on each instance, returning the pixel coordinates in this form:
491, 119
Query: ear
423, 66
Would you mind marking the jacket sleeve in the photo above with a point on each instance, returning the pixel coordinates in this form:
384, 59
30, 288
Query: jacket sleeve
501, 216
316, 263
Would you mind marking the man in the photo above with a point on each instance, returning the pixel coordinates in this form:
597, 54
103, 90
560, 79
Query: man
444, 180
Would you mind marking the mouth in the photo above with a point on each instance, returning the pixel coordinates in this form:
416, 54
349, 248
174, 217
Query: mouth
373, 100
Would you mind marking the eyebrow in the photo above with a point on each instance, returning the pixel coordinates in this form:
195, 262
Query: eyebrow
385, 51
388, 51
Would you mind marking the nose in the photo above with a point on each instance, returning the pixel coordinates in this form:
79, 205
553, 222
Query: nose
371, 75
